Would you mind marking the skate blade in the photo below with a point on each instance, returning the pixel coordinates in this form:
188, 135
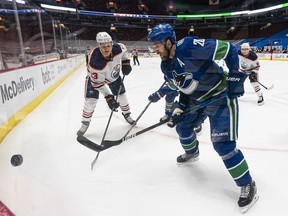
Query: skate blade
188, 162
246, 208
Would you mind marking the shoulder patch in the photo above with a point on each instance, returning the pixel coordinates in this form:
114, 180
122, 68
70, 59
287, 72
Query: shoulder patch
180, 42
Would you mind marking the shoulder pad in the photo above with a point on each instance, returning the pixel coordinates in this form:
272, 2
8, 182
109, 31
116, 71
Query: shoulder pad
96, 59
252, 55
117, 49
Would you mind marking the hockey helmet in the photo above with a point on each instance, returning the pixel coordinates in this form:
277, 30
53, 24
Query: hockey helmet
103, 37
245, 46
160, 34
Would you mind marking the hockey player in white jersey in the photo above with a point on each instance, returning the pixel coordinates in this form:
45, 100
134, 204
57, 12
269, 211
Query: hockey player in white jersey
250, 64
103, 69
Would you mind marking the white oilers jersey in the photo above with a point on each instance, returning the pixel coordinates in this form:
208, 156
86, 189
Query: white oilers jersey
249, 63
103, 71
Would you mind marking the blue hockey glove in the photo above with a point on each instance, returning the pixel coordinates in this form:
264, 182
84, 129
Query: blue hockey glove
165, 90
235, 82
176, 117
112, 103
156, 96
126, 67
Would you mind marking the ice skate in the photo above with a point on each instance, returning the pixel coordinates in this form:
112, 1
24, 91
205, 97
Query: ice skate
248, 197
128, 118
188, 158
260, 100
83, 128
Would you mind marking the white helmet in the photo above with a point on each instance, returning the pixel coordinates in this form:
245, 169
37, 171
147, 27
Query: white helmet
245, 46
103, 37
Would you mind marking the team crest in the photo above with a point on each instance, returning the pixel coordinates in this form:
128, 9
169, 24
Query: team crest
116, 71
180, 79
185, 82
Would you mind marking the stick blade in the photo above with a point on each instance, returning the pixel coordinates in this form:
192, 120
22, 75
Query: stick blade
110, 143
271, 87
89, 144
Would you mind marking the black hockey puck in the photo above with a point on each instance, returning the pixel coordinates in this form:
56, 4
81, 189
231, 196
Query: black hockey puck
16, 160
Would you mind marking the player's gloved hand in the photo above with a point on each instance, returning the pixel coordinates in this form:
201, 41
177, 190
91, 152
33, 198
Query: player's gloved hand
126, 67
156, 96
165, 90
176, 117
112, 103
235, 82
253, 76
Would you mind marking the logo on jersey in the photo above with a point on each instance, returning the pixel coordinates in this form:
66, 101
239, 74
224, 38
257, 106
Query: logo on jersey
116, 71
185, 82
244, 65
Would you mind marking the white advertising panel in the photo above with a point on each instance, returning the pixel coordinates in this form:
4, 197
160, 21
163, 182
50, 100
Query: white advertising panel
19, 87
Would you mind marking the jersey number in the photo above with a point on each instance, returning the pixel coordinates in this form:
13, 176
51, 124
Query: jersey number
199, 42
94, 76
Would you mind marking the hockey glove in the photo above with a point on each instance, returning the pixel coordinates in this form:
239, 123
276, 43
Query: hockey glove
253, 77
112, 103
156, 96
165, 90
235, 82
176, 117
126, 67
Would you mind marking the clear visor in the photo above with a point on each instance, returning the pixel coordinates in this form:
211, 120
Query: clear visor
244, 49
154, 46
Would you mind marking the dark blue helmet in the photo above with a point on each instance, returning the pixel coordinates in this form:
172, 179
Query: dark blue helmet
161, 33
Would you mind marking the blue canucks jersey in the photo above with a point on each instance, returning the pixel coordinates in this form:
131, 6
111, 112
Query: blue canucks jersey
193, 64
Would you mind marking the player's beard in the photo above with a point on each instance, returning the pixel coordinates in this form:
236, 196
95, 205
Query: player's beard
165, 55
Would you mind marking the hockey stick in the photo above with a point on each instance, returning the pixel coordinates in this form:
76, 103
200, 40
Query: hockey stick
95, 147
98, 148
267, 88
106, 129
120, 140
108, 144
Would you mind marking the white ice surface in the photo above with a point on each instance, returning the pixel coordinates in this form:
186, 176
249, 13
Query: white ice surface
140, 176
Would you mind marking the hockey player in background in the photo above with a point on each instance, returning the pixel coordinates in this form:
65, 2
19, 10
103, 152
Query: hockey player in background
135, 56
103, 69
189, 65
250, 64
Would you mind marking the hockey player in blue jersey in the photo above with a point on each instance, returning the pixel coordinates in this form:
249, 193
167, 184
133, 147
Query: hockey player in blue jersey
189, 65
